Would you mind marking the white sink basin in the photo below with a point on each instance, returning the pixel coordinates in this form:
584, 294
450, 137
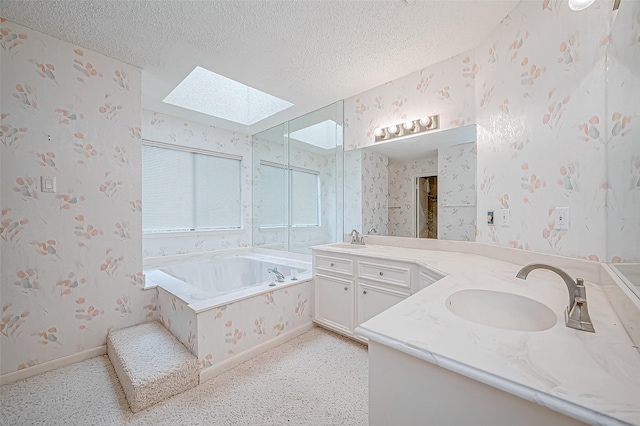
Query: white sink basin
347, 246
501, 310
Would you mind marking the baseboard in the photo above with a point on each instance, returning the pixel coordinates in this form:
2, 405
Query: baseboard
65, 361
211, 372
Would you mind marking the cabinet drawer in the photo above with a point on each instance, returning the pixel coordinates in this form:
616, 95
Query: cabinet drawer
388, 274
334, 264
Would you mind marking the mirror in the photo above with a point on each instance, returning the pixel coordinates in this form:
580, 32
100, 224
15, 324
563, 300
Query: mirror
623, 145
297, 186
421, 186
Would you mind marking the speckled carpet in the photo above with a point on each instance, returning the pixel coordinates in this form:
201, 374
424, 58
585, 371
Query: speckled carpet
318, 378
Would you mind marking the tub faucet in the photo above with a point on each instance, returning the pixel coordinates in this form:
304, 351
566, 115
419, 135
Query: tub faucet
576, 315
278, 274
356, 238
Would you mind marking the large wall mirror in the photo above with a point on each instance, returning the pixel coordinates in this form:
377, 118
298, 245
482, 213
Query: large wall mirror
623, 145
421, 186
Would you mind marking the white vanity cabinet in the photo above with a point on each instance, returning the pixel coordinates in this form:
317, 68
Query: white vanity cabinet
350, 289
334, 288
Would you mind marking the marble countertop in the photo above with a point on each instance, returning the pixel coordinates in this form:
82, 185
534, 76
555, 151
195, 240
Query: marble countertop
593, 377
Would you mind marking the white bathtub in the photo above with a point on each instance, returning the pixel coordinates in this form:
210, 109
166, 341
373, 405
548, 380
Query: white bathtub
207, 283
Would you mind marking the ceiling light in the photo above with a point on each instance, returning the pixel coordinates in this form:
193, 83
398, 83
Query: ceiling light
409, 125
379, 132
580, 4
212, 94
394, 130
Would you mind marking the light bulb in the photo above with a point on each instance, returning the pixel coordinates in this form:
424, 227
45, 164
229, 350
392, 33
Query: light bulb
408, 125
580, 4
425, 122
394, 130
378, 133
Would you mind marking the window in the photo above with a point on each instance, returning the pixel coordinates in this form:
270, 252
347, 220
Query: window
187, 191
304, 196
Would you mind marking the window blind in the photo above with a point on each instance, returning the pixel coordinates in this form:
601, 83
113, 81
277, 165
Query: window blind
184, 191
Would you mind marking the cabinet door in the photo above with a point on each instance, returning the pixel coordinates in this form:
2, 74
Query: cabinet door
334, 303
374, 300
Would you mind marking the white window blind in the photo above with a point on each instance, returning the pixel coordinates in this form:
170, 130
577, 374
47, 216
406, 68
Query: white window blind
186, 191
305, 196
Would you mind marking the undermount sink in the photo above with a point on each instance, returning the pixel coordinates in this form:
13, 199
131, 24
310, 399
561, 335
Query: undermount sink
501, 310
347, 246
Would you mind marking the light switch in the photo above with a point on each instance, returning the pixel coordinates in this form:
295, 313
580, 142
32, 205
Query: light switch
561, 218
504, 217
47, 184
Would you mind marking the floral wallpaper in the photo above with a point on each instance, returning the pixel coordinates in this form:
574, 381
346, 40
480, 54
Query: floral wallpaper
177, 317
623, 135
541, 116
72, 259
375, 187
401, 189
172, 130
352, 190
457, 192
228, 330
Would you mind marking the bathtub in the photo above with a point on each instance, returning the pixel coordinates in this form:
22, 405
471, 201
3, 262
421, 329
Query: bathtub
222, 307
207, 283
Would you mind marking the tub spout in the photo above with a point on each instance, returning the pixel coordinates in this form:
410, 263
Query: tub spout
278, 274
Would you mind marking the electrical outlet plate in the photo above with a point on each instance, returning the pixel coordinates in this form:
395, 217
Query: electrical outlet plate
47, 184
490, 217
505, 217
561, 218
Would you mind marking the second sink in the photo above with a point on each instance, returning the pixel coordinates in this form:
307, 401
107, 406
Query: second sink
501, 310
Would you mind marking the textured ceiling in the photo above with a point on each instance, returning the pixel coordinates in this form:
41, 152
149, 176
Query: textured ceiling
310, 53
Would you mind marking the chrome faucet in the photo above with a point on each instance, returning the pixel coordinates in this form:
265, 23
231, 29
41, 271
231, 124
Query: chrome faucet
372, 231
356, 238
576, 315
278, 274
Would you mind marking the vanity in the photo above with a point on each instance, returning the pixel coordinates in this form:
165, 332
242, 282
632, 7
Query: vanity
455, 338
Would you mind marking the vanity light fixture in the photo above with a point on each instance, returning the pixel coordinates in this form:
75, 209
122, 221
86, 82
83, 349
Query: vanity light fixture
410, 127
578, 5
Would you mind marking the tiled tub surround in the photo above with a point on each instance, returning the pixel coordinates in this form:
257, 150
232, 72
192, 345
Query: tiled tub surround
226, 330
594, 378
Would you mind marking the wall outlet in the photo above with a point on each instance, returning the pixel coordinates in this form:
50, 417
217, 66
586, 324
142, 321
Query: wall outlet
490, 217
505, 217
47, 184
561, 218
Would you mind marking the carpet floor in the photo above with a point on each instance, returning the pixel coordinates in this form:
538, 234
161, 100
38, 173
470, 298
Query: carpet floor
318, 378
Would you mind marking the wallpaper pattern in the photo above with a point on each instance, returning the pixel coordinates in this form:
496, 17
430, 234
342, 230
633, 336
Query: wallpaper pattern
375, 187
457, 192
71, 260
163, 128
541, 122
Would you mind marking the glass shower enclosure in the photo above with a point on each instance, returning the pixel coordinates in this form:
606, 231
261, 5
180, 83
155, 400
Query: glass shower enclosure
297, 182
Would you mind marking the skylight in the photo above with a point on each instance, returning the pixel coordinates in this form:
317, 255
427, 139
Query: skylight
321, 134
212, 94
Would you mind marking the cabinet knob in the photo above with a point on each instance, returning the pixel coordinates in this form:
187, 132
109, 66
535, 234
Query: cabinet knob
381, 274
332, 264
364, 292
346, 288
